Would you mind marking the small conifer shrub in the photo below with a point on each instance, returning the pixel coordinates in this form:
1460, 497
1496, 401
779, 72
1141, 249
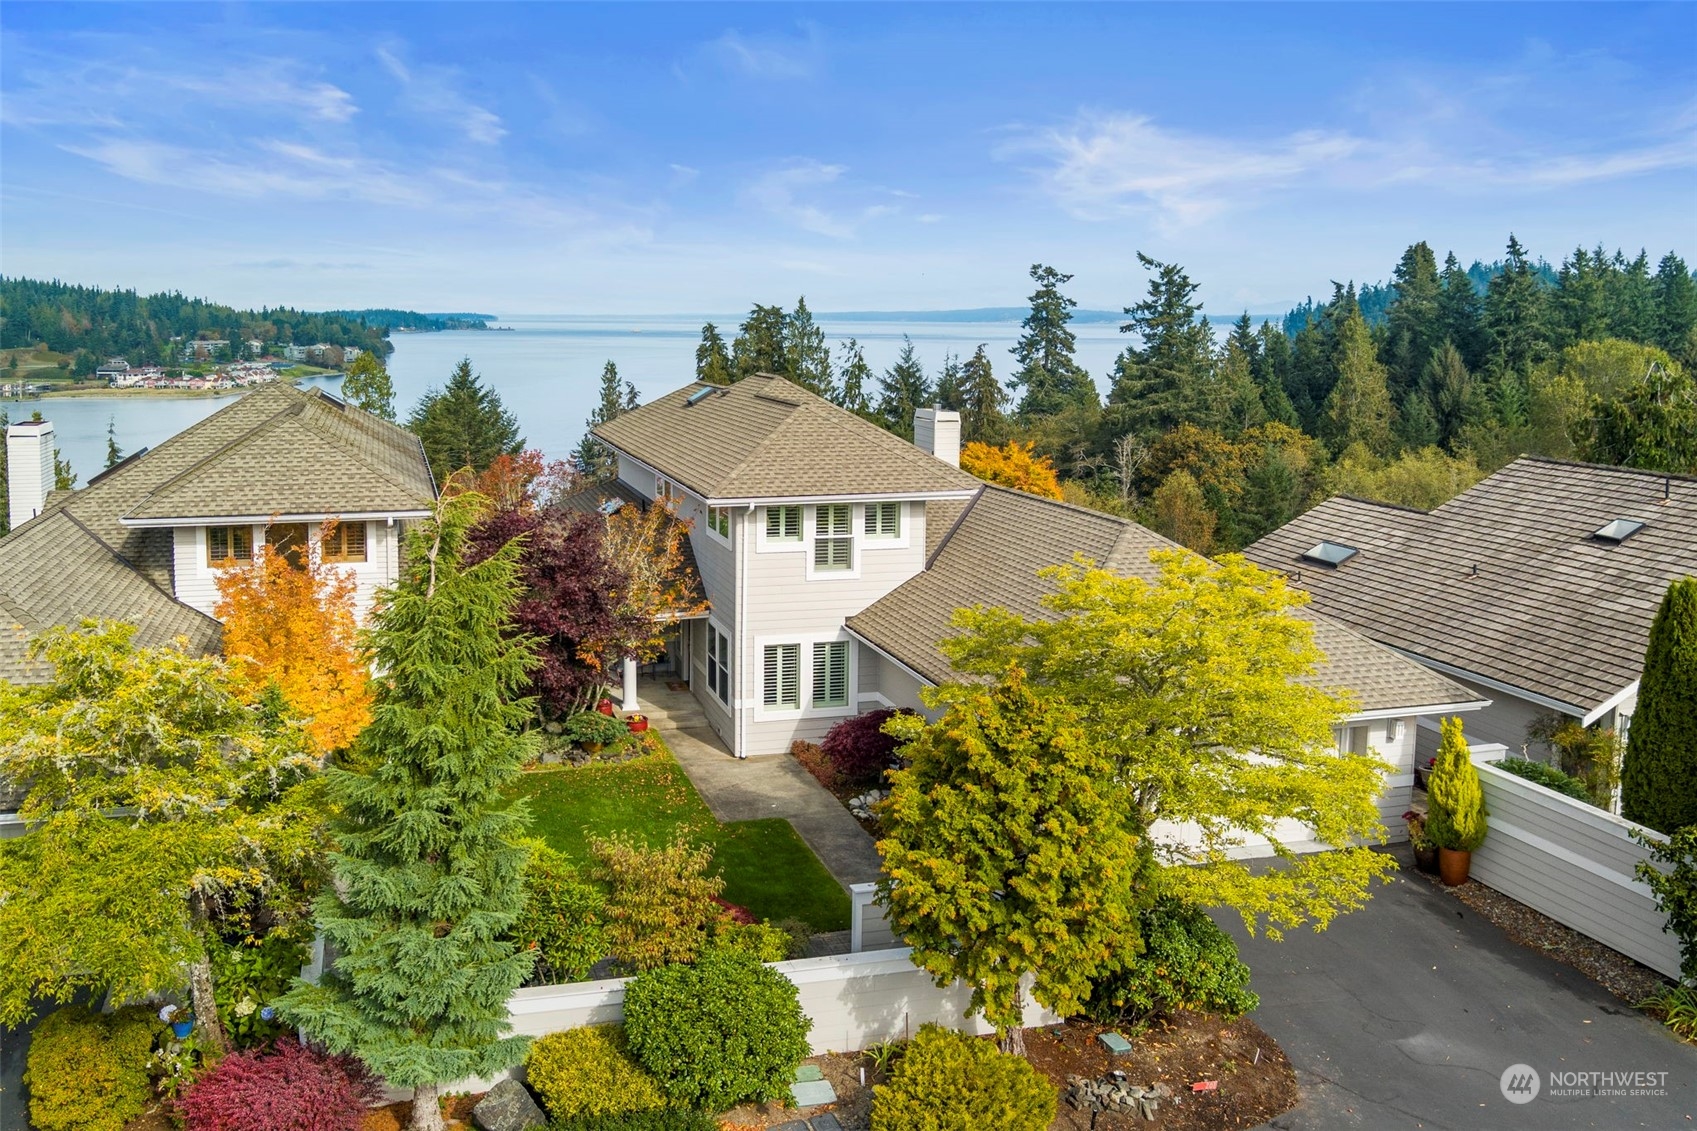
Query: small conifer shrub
1455, 801
948, 1081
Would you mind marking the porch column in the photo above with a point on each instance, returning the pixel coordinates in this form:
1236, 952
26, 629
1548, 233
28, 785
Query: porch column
630, 686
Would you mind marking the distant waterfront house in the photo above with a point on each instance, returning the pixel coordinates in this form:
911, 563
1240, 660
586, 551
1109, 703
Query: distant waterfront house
144, 541
833, 555
1535, 588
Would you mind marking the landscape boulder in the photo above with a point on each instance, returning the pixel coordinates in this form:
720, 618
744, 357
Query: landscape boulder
508, 1107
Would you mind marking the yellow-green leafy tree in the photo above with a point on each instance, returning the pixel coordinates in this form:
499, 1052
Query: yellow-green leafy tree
1199, 688
160, 801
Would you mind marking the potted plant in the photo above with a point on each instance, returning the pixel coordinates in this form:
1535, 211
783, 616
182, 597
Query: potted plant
636, 723
592, 730
1425, 852
1455, 817
605, 707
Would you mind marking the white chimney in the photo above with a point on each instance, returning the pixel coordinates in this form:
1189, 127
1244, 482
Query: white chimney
29, 468
937, 431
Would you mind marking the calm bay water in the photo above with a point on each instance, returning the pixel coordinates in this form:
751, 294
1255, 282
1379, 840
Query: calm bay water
547, 370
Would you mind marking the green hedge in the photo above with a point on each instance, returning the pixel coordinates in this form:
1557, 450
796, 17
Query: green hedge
723, 1031
1187, 962
88, 1071
669, 1120
1547, 776
948, 1081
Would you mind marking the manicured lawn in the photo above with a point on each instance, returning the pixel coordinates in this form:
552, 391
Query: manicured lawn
767, 868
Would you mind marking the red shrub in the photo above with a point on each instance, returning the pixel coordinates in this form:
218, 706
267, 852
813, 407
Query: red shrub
286, 1088
858, 749
813, 760
735, 912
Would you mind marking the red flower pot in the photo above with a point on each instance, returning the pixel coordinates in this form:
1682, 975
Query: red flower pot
605, 706
637, 723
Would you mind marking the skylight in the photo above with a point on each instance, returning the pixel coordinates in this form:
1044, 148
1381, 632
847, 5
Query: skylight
1330, 553
700, 395
1617, 531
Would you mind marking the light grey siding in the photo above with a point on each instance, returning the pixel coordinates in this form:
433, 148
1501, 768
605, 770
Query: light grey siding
1504, 722
791, 602
1571, 861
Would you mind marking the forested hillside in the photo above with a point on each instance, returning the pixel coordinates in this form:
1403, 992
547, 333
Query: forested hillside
92, 323
1217, 438
413, 320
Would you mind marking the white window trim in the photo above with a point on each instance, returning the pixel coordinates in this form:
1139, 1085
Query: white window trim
808, 710
802, 678
766, 545
812, 669
875, 542
707, 521
809, 530
729, 701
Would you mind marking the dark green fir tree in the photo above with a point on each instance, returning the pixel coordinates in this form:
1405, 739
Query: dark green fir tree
983, 401
114, 454
903, 389
429, 862
464, 424
593, 458
759, 347
851, 390
1048, 372
712, 360
807, 359
1658, 779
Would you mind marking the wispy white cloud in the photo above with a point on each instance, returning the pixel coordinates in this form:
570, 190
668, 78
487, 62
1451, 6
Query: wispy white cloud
770, 56
1102, 165
434, 92
780, 193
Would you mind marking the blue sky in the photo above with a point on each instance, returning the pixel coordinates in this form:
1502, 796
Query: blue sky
659, 158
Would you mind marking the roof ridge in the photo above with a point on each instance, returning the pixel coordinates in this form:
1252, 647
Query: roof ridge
329, 437
1645, 472
132, 567
290, 409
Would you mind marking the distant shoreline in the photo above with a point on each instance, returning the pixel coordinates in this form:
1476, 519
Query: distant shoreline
166, 394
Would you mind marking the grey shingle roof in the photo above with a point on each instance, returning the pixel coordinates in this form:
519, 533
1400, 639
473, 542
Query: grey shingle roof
80, 560
1550, 610
991, 557
764, 437
280, 466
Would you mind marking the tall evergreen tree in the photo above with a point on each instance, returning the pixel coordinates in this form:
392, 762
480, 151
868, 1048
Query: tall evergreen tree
1414, 322
1658, 780
367, 386
982, 401
593, 458
1579, 305
1454, 400
1459, 308
464, 424
1233, 400
712, 360
807, 359
1514, 320
1048, 372
429, 864
903, 389
950, 393
1359, 407
759, 346
1632, 309
114, 454
851, 389
1651, 425
1159, 381
1676, 304
1272, 373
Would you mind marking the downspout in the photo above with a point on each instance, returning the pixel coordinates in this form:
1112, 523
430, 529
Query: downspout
740, 743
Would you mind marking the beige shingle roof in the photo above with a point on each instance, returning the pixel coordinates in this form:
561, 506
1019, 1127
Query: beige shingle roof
1550, 610
992, 556
764, 437
277, 449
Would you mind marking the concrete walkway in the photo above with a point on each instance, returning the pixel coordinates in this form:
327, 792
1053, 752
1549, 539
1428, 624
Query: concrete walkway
1407, 1013
749, 789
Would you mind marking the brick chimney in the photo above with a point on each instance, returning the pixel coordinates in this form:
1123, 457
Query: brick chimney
29, 468
937, 431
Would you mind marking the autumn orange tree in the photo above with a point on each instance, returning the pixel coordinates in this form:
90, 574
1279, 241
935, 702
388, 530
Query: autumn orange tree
1012, 465
289, 624
648, 545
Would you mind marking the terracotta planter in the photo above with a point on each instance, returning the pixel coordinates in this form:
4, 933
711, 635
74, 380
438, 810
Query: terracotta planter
1453, 865
1426, 859
637, 723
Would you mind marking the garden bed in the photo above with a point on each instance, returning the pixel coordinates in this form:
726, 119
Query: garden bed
766, 866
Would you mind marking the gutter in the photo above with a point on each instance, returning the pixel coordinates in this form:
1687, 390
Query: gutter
924, 680
266, 519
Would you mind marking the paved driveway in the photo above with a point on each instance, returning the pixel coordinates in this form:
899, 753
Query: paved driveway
1407, 1013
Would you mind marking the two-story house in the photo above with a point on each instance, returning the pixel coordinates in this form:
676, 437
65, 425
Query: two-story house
833, 555
145, 540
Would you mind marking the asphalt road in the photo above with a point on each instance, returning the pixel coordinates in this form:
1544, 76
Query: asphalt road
1407, 1014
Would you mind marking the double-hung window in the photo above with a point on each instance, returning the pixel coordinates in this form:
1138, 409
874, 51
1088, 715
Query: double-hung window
831, 673
783, 524
718, 663
719, 521
883, 520
228, 545
783, 676
833, 537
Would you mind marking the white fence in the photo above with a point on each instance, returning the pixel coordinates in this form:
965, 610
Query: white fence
1571, 861
854, 1000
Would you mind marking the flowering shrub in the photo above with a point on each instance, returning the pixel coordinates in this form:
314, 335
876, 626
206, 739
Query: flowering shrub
249, 975
858, 749
290, 1087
